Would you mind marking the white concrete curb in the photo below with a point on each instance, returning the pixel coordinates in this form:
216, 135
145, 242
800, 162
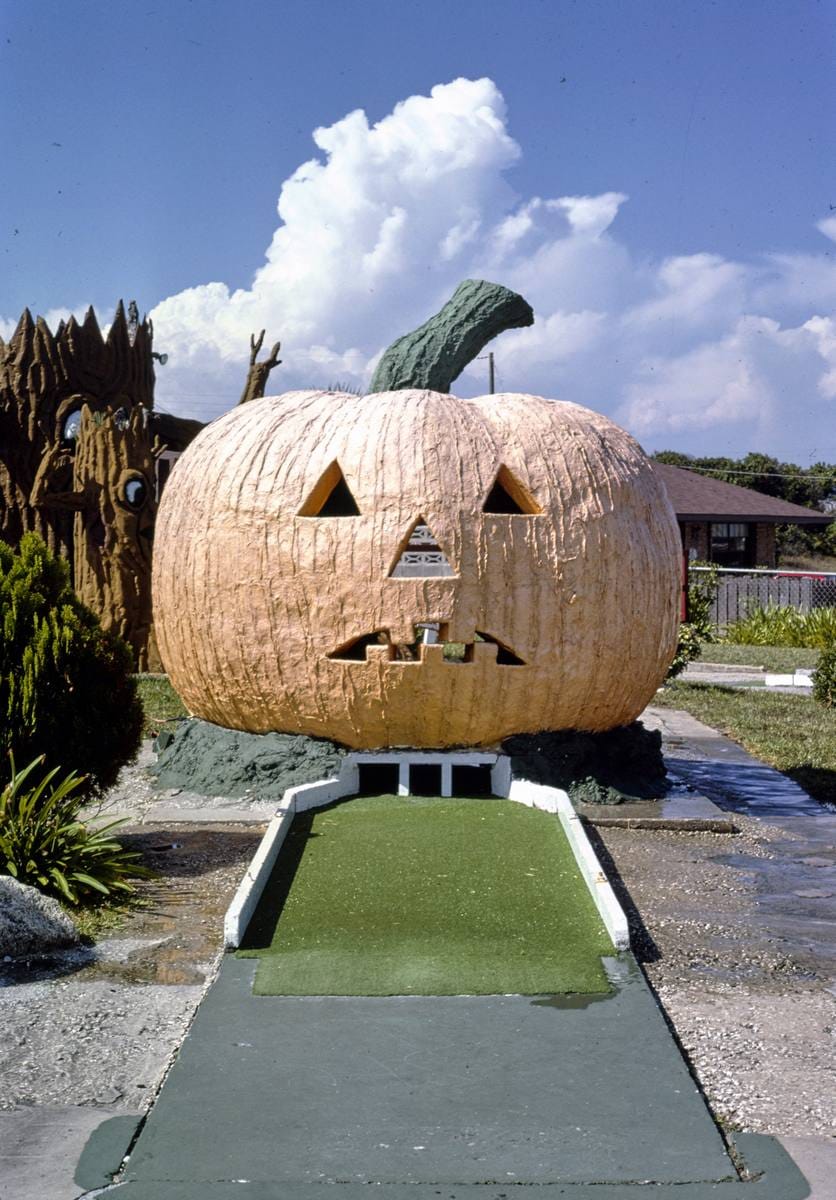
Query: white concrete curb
553, 800
249, 891
802, 678
295, 800
317, 795
446, 759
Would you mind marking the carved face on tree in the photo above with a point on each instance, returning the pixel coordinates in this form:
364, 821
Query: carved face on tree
111, 489
409, 568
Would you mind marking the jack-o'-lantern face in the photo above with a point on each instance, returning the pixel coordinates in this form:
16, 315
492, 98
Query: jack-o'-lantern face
414, 569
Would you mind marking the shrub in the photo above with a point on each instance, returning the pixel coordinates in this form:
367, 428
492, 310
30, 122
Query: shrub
698, 628
43, 843
65, 683
782, 625
688, 648
824, 677
820, 628
702, 589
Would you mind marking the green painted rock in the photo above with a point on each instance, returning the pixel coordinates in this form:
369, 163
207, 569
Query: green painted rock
436, 353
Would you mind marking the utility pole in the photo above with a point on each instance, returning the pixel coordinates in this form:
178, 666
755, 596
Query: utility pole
491, 376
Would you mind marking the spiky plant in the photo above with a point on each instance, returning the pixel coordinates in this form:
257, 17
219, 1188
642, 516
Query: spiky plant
44, 844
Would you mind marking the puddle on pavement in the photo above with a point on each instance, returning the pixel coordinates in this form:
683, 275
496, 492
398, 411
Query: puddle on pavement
572, 1000
151, 963
42, 968
162, 965
622, 971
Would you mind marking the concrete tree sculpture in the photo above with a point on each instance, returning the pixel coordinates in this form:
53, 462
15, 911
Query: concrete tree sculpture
112, 494
259, 372
45, 380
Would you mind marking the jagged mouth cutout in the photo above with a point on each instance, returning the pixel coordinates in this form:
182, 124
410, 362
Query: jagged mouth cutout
430, 639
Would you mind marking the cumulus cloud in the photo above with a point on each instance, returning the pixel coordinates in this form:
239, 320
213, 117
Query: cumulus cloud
370, 238
694, 351
828, 227
589, 215
697, 351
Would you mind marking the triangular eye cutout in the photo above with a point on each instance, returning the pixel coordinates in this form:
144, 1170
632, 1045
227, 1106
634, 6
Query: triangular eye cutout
420, 557
509, 496
331, 496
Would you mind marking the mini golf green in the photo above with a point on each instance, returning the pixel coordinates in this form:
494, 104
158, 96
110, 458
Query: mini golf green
393, 895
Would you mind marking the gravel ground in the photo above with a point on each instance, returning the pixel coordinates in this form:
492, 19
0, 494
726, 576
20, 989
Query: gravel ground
752, 1008
98, 1027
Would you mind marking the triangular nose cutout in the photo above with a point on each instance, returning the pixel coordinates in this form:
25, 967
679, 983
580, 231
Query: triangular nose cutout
331, 496
421, 557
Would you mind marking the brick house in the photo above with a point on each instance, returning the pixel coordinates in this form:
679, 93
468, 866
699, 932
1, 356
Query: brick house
731, 526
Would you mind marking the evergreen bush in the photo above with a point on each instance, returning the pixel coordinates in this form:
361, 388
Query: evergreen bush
824, 678
66, 689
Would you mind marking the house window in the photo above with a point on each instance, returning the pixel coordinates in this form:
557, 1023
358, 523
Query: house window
732, 544
164, 464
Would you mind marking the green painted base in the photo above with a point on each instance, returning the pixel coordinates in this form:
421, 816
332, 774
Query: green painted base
102, 1155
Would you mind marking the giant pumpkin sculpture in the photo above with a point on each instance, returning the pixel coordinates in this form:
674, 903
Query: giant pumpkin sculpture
410, 568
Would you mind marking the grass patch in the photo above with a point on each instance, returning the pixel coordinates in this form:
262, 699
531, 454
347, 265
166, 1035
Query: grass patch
160, 703
403, 896
789, 732
771, 658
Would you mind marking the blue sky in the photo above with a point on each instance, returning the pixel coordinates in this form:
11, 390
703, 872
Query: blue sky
656, 178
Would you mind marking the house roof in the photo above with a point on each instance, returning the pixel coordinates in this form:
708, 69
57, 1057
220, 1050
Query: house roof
701, 498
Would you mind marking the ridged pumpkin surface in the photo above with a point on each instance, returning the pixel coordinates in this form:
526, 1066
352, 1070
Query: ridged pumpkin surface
268, 619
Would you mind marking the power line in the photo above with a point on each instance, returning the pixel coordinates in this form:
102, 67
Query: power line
757, 474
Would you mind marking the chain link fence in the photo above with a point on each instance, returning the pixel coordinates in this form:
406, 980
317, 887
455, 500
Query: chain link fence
740, 592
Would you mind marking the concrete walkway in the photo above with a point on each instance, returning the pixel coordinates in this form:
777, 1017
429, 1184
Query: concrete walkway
457, 1097
731, 675
294, 1097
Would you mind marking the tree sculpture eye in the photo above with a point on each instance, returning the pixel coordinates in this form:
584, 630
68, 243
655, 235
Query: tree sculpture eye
71, 427
135, 492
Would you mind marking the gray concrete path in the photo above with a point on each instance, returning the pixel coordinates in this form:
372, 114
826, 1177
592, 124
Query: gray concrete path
277, 1097
731, 675
286, 1097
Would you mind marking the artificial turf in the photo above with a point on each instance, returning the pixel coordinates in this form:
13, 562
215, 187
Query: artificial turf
392, 895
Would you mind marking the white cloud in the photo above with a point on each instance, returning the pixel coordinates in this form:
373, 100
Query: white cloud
590, 215
828, 227
823, 329
694, 351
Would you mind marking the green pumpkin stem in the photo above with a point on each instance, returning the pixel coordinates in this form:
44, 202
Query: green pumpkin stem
436, 353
